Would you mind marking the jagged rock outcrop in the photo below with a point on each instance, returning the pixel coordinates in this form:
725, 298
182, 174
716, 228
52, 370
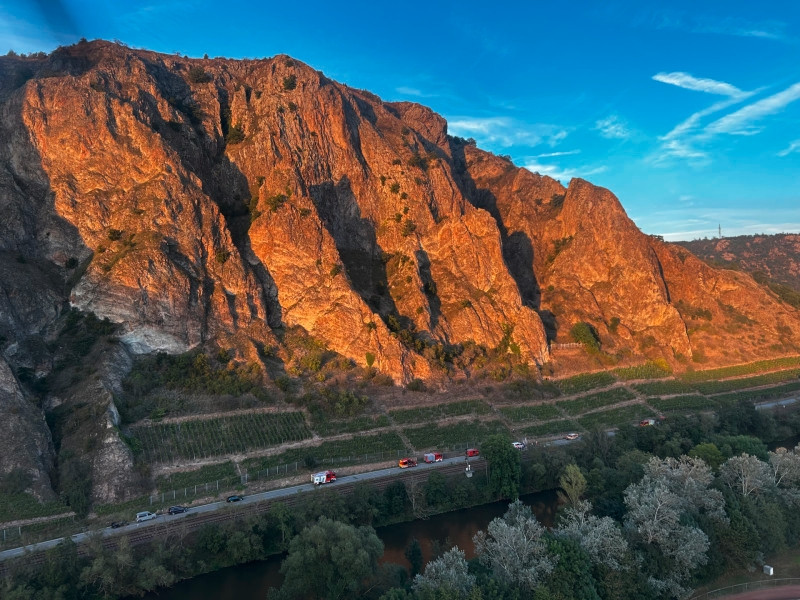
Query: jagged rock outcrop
25, 443
193, 201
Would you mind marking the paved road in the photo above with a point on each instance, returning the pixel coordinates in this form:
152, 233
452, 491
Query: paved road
776, 403
247, 500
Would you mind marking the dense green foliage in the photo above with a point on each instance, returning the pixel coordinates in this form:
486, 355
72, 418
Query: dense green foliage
205, 438
440, 411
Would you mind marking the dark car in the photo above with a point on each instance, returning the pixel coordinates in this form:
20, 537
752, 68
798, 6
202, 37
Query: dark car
236, 498
117, 524
176, 510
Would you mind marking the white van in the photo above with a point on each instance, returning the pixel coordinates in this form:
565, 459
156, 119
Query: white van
145, 516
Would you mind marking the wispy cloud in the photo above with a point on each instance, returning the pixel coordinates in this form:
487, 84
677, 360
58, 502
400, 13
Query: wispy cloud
700, 23
699, 84
554, 154
740, 122
613, 127
506, 132
416, 92
563, 174
793, 147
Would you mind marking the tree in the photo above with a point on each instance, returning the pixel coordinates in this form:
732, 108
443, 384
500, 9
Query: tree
505, 471
656, 507
690, 479
572, 576
586, 334
572, 484
449, 572
785, 467
745, 474
413, 555
330, 560
600, 538
709, 453
513, 548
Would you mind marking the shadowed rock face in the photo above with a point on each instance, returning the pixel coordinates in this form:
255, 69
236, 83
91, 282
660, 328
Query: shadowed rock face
194, 200
208, 197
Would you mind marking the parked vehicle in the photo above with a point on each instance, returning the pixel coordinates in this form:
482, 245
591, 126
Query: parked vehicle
234, 498
117, 524
146, 515
432, 457
472, 452
176, 510
323, 477
518, 445
647, 422
404, 463
571, 436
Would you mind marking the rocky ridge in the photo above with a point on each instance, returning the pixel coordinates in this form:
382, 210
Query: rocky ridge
195, 202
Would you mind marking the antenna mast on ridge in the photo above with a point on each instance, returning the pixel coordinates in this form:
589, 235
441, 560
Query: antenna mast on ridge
720, 231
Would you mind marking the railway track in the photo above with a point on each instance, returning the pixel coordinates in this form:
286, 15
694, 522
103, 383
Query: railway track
193, 521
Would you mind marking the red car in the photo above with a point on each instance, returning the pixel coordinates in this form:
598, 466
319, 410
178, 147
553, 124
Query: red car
472, 452
404, 463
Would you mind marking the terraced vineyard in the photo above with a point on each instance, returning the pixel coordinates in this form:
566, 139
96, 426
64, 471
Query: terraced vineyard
359, 449
542, 412
427, 414
551, 428
738, 370
222, 436
585, 382
682, 403
458, 435
615, 416
593, 401
363, 423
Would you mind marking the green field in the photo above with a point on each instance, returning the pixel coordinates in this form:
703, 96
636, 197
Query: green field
359, 449
585, 382
593, 401
717, 387
221, 436
25, 506
542, 412
648, 370
551, 428
428, 414
665, 388
363, 423
615, 417
433, 437
682, 403
187, 479
758, 395
738, 370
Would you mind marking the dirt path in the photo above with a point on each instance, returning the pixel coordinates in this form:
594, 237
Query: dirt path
24, 522
787, 592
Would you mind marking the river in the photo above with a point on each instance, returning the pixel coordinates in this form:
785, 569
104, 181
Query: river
253, 580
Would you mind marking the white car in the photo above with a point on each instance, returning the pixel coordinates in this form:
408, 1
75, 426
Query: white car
571, 436
145, 516
518, 445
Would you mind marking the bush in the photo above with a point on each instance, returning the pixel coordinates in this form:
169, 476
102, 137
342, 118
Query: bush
416, 385
584, 333
289, 82
276, 201
198, 75
409, 227
394, 188
418, 161
114, 235
235, 135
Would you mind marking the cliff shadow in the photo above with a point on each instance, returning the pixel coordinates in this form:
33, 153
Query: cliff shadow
429, 286
518, 252
203, 153
356, 243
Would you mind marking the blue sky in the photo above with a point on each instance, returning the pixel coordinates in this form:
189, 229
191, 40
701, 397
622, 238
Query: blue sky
688, 111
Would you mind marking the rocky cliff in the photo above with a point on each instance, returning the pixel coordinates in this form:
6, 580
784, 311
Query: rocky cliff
189, 201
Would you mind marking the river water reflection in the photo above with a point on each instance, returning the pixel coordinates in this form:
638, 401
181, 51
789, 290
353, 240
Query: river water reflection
253, 580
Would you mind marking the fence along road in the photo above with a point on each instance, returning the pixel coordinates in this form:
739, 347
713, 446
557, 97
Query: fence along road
214, 511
